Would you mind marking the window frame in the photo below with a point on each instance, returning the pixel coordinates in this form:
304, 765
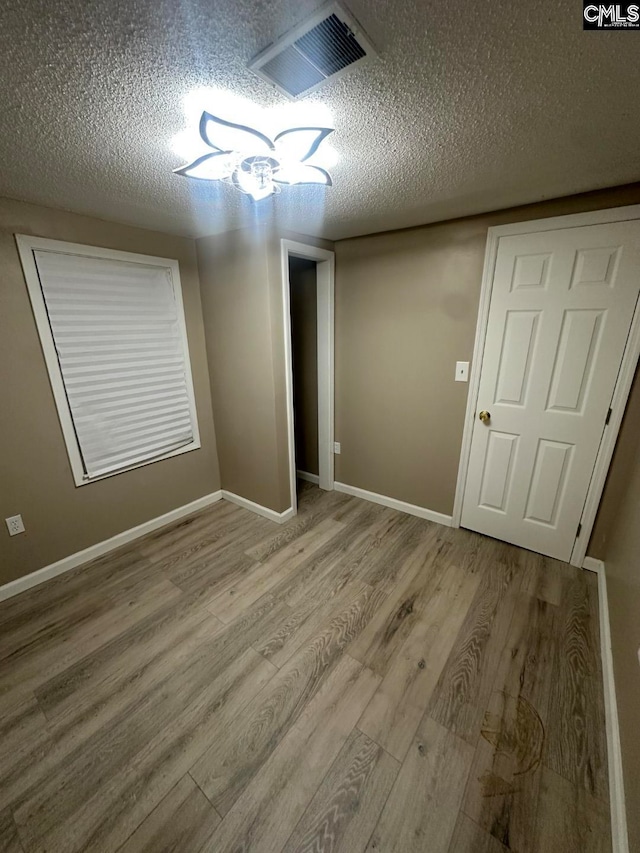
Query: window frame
27, 244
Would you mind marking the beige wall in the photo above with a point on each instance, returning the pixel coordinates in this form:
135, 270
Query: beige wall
406, 310
619, 476
616, 540
236, 303
406, 305
241, 281
304, 349
622, 558
35, 475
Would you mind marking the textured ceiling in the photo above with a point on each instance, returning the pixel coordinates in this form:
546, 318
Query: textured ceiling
470, 106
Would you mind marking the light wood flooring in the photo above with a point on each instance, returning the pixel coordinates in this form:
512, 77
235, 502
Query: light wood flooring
354, 680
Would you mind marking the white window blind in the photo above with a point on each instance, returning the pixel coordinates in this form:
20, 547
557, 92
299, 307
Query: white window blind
118, 333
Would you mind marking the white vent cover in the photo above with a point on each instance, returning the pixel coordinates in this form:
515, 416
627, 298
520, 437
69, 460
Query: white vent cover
321, 48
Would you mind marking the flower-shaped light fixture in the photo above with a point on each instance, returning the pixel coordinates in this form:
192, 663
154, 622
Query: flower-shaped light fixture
255, 164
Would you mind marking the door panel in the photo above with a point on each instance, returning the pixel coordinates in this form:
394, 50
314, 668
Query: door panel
561, 308
496, 478
575, 357
550, 471
595, 267
514, 368
530, 271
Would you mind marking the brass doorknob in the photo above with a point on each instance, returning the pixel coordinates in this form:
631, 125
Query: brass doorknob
485, 417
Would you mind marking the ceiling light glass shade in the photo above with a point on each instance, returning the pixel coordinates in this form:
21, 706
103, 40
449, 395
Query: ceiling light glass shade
253, 163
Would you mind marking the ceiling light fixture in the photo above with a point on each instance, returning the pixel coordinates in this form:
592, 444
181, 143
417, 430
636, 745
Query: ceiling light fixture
255, 164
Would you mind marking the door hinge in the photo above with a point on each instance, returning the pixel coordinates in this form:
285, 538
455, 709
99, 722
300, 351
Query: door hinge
579, 530
609, 413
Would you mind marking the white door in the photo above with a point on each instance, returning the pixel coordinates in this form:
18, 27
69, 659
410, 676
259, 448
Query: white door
561, 308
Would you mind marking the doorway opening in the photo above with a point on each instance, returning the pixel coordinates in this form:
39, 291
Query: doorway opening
308, 303
303, 299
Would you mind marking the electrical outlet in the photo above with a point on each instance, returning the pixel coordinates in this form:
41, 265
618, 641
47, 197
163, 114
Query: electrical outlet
462, 371
336, 447
15, 524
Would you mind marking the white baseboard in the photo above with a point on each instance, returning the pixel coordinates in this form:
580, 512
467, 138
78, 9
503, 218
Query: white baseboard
402, 506
310, 478
85, 556
271, 514
619, 837
19, 585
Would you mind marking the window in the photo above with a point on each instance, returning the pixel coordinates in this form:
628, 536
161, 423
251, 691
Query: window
114, 339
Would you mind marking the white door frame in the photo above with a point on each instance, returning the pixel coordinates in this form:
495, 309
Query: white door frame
623, 382
325, 273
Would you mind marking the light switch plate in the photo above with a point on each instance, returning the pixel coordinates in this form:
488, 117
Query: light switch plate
462, 371
336, 447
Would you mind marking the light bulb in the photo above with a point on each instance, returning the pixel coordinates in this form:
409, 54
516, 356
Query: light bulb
257, 180
262, 173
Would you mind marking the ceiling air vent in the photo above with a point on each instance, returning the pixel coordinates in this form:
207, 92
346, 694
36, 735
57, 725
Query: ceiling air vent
321, 48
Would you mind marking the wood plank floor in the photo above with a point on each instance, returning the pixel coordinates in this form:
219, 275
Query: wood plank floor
354, 680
